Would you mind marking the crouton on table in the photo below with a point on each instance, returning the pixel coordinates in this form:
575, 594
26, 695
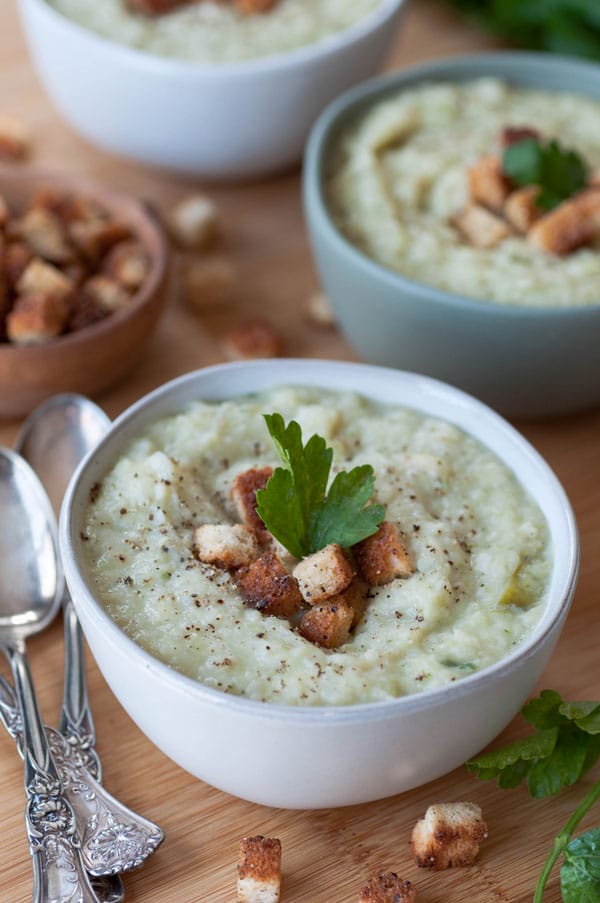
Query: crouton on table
259, 870
266, 585
225, 545
253, 339
323, 574
449, 835
387, 887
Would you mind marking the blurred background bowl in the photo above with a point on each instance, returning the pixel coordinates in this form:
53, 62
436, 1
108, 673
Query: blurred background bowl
226, 120
261, 751
102, 354
524, 361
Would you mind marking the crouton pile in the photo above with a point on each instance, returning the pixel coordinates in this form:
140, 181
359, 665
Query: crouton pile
498, 210
160, 7
323, 596
65, 263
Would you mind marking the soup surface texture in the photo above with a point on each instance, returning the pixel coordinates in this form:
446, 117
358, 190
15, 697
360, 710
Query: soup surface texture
479, 544
398, 176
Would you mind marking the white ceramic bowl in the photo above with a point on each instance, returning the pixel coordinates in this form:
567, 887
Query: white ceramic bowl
261, 751
218, 120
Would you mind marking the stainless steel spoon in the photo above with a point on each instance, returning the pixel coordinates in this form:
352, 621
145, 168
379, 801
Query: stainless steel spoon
30, 594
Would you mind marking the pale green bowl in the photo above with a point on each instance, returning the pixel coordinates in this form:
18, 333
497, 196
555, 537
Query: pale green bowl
524, 361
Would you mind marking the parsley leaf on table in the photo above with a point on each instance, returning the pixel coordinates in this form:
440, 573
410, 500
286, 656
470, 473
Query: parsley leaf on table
558, 173
580, 871
566, 745
294, 505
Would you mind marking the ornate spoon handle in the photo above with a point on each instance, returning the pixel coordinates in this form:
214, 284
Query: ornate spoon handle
59, 874
113, 838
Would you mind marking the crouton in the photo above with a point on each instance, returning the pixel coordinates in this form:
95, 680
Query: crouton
520, 208
127, 262
480, 227
69, 207
255, 6
243, 496
45, 234
355, 595
154, 7
569, 226
323, 574
225, 545
35, 318
193, 222
14, 140
488, 185
44, 278
84, 311
328, 623
387, 887
16, 257
513, 134
319, 310
266, 585
259, 870
107, 293
253, 339
94, 236
4, 212
383, 556
207, 282
449, 835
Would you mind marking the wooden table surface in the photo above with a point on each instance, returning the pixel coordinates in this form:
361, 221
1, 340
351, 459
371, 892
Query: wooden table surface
329, 853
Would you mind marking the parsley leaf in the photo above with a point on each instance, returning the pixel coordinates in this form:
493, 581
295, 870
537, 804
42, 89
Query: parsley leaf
566, 745
294, 505
557, 172
580, 871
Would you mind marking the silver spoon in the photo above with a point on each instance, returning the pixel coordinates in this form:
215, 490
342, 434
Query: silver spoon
30, 595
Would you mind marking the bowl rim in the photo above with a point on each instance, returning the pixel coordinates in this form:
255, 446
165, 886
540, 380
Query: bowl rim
319, 373
172, 66
158, 257
350, 102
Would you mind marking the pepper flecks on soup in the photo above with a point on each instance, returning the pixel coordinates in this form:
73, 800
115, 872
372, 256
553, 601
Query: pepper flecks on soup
478, 547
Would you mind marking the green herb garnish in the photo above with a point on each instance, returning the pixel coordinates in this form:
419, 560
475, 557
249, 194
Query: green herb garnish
565, 746
558, 173
295, 505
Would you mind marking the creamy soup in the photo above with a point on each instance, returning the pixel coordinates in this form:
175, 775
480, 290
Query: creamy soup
398, 176
479, 544
215, 32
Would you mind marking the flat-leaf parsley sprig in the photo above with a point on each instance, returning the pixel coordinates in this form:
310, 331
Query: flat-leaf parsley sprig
564, 747
295, 505
557, 172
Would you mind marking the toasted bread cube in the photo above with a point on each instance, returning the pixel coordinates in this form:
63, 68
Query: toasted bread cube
127, 262
193, 222
243, 495
107, 293
569, 226
266, 585
69, 207
154, 7
319, 310
44, 278
4, 212
383, 556
481, 228
355, 595
207, 282
36, 318
94, 236
255, 6
520, 208
488, 185
448, 836
43, 231
14, 140
84, 311
387, 887
253, 339
225, 545
16, 257
327, 624
259, 870
323, 574
512, 134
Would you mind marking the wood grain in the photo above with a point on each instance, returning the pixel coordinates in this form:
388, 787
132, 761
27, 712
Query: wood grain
326, 854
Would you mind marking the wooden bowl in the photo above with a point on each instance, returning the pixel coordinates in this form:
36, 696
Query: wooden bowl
99, 355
